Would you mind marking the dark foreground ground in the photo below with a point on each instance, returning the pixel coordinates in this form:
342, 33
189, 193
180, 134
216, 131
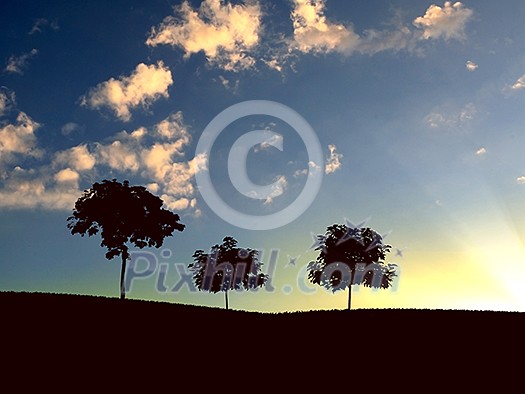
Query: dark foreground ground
64, 314
41, 326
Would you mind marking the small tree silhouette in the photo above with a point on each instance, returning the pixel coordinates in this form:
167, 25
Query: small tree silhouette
125, 214
227, 267
351, 256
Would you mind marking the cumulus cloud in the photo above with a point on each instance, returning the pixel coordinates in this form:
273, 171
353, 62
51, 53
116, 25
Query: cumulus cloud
313, 32
333, 162
144, 86
230, 35
35, 195
33, 189
224, 32
173, 128
471, 66
28, 188
79, 158
67, 176
18, 138
158, 155
118, 156
17, 64
521, 180
446, 22
519, 84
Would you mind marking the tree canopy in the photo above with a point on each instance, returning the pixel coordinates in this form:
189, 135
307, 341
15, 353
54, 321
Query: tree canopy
227, 267
123, 214
349, 256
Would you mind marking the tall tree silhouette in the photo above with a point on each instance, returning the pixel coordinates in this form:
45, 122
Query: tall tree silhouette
227, 267
123, 214
351, 256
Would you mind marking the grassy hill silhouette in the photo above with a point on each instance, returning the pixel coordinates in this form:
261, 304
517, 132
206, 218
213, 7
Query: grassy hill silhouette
45, 322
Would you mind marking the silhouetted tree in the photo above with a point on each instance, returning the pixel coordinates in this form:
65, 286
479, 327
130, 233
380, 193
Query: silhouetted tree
227, 267
351, 256
123, 214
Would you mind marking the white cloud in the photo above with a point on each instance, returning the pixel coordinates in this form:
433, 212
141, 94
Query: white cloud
173, 128
314, 168
471, 66
444, 22
229, 35
435, 119
300, 173
144, 86
67, 176
158, 159
278, 187
79, 158
7, 100
521, 180
175, 180
275, 140
40, 23
19, 138
20, 188
519, 84
118, 156
228, 85
17, 64
375, 41
153, 187
69, 128
178, 204
481, 151
224, 32
451, 117
333, 162
314, 33
467, 113
27, 189
157, 155
274, 64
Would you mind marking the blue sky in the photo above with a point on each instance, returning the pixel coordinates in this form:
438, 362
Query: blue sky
418, 109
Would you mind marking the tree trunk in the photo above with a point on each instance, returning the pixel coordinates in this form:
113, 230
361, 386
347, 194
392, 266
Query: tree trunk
226, 298
349, 297
123, 274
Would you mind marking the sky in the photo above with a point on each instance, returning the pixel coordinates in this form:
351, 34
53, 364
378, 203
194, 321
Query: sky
269, 121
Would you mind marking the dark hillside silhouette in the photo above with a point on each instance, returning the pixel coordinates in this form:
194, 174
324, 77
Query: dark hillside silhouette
122, 214
351, 256
227, 267
40, 322
60, 340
